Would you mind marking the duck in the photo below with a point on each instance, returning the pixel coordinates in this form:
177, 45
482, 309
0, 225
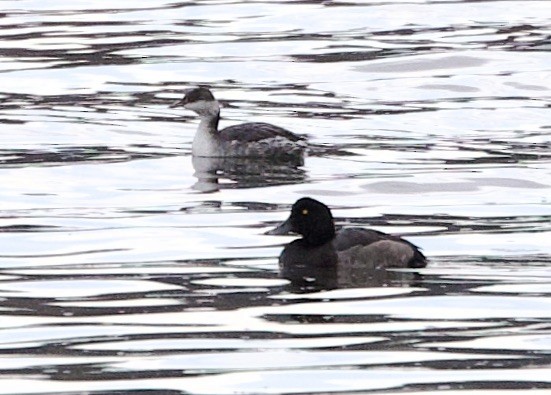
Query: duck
252, 139
350, 257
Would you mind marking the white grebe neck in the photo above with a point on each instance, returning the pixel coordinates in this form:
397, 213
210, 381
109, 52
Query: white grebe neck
205, 142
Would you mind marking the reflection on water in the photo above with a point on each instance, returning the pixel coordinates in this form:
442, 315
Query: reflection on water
120, 274
52, 156
352, 276
195, 325
215, 173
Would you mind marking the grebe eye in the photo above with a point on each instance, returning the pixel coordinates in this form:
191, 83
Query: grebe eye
305, 211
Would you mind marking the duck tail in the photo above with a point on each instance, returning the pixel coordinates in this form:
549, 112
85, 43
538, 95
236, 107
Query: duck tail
418, 261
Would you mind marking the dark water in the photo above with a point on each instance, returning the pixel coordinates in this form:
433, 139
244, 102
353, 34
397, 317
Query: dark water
128, 268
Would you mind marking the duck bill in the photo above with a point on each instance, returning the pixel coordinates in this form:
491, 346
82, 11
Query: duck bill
284, 228
178, 103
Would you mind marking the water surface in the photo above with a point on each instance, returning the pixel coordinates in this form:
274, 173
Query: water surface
126, 267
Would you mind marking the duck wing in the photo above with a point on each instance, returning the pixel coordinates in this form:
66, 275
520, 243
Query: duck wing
377, 249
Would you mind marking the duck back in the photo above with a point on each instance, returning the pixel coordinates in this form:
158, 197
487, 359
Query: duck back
377, 248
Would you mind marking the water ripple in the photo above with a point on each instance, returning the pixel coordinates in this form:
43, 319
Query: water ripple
127, 266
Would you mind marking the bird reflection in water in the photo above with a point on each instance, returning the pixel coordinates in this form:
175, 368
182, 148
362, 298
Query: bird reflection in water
215, 173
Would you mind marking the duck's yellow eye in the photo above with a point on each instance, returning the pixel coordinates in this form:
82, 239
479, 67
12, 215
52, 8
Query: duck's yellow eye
305, 211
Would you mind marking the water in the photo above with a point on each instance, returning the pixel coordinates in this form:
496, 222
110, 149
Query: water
127, 268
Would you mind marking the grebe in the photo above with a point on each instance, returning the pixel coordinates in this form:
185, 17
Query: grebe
253, 139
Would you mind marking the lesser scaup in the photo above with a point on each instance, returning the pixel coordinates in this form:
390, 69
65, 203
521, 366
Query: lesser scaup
253, 139
354, 256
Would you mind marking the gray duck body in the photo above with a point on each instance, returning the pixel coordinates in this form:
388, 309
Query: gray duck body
352, 256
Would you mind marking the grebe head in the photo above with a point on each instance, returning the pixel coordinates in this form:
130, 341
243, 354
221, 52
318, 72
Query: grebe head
199, 100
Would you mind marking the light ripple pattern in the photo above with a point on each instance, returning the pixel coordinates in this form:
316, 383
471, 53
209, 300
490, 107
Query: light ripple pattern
129, 267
